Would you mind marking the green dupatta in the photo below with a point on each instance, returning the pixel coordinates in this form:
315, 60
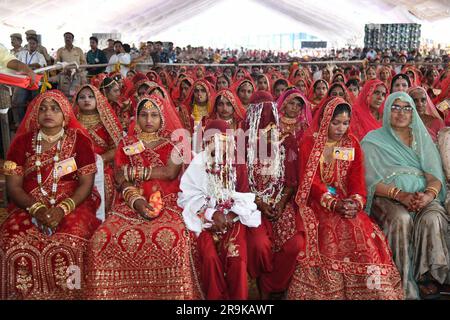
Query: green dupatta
389, 160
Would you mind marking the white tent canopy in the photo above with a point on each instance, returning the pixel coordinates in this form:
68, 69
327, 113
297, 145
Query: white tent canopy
218, 23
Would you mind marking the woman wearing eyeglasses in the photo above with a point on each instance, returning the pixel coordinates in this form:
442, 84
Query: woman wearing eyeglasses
406, 189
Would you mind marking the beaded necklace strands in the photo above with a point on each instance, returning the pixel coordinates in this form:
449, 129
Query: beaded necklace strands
38, 163
222, 174
273, 190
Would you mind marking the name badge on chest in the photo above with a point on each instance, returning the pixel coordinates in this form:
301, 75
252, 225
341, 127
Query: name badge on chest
133, 149
65, 167
345, 154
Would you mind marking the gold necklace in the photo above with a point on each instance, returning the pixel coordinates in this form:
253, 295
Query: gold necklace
287, 120
89, 120
148, 137
51, 139
331, 143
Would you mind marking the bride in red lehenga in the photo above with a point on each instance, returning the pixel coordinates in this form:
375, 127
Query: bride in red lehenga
143, 250
49, 172
96, 115
346, 254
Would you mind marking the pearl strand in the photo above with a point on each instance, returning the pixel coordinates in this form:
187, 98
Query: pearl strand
38, 164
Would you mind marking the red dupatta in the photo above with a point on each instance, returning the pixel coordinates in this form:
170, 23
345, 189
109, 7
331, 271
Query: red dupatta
239, 110
170, 121
176, 92
269, 83
97, 80
138, 77
188, 102
312, 95
157, 156
416, 80
304, 118
30, 121
363, 120
235, 87
246, 73
169, 82
298, 79
317, 135
333, 80
153, 76
348, 96
108, 117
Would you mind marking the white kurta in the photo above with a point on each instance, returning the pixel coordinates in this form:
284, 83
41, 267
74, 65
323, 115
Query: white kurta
194, 196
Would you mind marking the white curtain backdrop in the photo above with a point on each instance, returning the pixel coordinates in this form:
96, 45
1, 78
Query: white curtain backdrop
215, 22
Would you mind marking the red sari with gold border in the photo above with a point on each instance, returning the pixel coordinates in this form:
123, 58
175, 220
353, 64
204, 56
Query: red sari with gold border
343, 258
33, 265
133, 258
105, 135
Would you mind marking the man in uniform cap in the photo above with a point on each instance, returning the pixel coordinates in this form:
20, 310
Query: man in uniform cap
16, 42
41, 49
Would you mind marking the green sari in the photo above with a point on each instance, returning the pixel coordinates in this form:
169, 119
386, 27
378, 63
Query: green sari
389, 160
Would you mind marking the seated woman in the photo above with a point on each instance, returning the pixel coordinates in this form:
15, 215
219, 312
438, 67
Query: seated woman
338, 89
295, 114
219, 208
228, 108
244, 90
413, 74
143, 249
301, 84
96, 115
241, 74
384, 74
278, 87
406, 188
427, 111
111, 90
339, 77
400, 82
262, 83
198, 102
49, 172
353, 86
368, 108
272, 166
222, 82
370, 73
317, 93
346, 255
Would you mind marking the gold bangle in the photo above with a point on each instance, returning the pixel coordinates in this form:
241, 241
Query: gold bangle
433, 191
64, 208
358, 198
396, 193
391, 192
71, 203
35, 208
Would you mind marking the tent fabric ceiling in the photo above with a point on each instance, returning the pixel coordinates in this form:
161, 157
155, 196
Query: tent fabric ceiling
142, 19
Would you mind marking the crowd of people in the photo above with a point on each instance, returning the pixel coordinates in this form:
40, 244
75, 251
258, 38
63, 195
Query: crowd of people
190, 182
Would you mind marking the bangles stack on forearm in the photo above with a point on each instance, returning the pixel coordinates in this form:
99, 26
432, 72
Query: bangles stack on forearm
35, 208
434, 191
67, 205
133, 174
328, 201
131, 195
394, 192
